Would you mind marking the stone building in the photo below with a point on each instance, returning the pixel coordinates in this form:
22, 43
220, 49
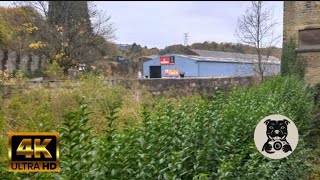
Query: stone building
27, 62
302, 21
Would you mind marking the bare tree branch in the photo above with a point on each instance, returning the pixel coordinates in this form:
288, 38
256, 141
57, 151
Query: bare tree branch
257, 28
40, 6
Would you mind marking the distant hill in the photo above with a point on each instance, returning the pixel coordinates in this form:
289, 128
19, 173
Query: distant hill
135, 51
213, 46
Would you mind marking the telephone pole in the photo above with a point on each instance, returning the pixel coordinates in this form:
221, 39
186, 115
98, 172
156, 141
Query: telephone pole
186, 38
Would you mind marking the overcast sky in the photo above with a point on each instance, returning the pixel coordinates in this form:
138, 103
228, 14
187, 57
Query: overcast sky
163, 23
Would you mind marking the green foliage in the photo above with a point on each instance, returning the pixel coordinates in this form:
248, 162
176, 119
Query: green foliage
3, 137
54, 70
288, 55
107, 149
76, 145
212, 139
18, 74
42, 109
191, 138
5, 33
291, 64
214, 46
69, 14
174, 49
314, 135
14, 34
35, 74
101, 97
76, 149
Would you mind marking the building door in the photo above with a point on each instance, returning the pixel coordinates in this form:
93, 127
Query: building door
155, 71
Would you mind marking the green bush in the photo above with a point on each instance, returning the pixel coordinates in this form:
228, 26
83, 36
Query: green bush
35, 74
42, 109
77, 146
192, 138
291, 63
213, 139
76, 149
54, 70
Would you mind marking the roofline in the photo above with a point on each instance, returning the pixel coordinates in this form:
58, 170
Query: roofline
229, 52
240, 62
227, 61
223, 60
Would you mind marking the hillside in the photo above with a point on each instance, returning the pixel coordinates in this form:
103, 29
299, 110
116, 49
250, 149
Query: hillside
135, 51
213, 46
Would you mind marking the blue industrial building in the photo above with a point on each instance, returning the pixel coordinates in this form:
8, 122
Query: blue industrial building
202, 63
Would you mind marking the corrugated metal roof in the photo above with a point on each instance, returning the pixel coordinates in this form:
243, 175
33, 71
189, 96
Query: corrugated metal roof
225, 59
205, 55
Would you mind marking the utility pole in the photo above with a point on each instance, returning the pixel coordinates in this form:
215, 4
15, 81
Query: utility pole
186, 38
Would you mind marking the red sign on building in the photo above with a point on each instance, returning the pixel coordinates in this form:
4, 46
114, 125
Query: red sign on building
166, 60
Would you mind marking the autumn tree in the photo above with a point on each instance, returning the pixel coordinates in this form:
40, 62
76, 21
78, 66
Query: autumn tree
257, 28
15, 25
69, 14
4, 33
65, 33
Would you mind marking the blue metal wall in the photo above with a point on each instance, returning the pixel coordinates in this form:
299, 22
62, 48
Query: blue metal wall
190, 67
194, 68
218, 69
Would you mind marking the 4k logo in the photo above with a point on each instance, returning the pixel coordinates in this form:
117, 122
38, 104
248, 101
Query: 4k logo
34, 152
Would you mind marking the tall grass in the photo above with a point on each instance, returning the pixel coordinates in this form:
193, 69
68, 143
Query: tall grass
43, 109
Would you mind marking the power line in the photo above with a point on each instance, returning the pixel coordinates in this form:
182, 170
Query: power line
186, 38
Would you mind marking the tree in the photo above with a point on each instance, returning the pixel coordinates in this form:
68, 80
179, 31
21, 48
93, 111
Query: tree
174, 49
66, 34
4, 33
69, 14
290, 63
14, 26
257, 28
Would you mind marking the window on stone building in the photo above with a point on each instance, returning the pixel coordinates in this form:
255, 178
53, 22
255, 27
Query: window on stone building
309, 39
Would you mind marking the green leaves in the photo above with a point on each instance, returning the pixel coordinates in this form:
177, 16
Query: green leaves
190, 138
204, 139
77, 145
291, 63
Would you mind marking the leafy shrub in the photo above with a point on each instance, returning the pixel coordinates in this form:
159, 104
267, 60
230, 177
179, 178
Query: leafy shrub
76, 150
35, 74
76, 145
42, 109
291, 63
212, 139
54, 70
314, 135
192, 138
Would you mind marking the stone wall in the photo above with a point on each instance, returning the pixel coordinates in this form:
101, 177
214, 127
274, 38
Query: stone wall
312, 74
185, 86
11, 61
299, 15
302, 15
179, 87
